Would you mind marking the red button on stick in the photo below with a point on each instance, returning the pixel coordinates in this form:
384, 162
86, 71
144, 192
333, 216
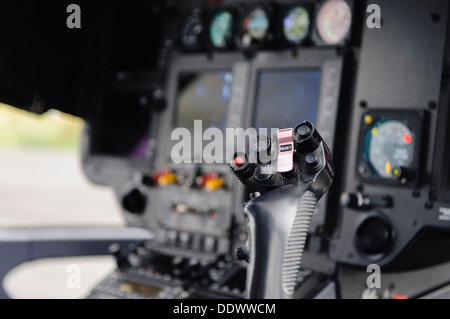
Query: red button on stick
239, 161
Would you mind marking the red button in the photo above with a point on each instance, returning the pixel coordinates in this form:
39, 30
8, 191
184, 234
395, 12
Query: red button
239, 161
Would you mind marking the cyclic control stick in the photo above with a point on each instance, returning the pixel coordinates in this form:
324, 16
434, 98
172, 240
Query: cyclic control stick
286, 190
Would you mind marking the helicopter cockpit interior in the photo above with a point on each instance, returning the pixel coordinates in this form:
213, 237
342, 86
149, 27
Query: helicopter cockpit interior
159, 83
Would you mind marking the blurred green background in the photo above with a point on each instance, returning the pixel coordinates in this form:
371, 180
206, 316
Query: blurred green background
51, 130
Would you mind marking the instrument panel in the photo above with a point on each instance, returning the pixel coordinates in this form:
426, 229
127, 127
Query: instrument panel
388, 194
266, 25
271, 64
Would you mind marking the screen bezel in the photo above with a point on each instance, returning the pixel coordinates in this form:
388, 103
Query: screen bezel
196, 63
327, 61
257, 105
176, 97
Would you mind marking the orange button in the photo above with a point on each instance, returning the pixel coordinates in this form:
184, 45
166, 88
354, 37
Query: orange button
203, 179
166, 179
214, 183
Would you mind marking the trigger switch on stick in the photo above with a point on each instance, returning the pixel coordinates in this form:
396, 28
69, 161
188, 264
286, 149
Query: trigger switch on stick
241, 166
264, 173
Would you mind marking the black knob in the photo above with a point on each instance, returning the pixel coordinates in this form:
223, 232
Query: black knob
147, 180
350, 200
374, 236
306, 137
303, 131
312, 162
242, 254
241, 166
119, 255
135, 201
264, 173
361, 201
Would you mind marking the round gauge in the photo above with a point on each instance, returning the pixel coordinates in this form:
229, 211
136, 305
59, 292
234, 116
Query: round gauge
333, 21
221, 29
389, 147
254, 26
190, 32
296, 24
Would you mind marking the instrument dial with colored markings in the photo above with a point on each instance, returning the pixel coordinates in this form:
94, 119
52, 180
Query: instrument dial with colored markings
221, 29
191, 32
254, 27
389, 146
296, 24
333, 21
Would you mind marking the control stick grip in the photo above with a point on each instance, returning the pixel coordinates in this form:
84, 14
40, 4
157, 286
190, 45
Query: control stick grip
278, 221
276, 241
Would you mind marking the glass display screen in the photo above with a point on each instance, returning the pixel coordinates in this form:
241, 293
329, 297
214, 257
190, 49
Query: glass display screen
202, 96
284, 98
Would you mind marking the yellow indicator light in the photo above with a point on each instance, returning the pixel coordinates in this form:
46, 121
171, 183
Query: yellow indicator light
368, 119
167, 179
374, 131
214, 183
387, 168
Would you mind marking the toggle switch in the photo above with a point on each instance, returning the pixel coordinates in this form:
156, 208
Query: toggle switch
361, 201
